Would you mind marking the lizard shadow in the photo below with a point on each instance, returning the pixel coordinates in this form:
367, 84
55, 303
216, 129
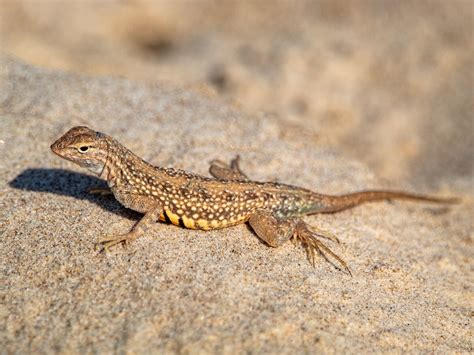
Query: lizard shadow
69, 183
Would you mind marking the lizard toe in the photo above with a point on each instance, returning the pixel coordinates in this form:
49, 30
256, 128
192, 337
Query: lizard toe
107, 243
309, 238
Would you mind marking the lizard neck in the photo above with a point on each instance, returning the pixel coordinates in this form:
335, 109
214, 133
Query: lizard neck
123, 167
116, 162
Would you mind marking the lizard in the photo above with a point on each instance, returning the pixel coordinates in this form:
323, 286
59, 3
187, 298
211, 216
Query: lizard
273, 210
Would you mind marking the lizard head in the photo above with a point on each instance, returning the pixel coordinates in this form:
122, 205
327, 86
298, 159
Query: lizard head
83, 146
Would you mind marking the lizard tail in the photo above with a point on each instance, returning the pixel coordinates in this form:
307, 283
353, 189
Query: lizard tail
342, 202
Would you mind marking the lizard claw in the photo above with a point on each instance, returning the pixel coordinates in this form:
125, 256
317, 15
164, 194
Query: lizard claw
324, 234
106, 243
101, 191
308, 236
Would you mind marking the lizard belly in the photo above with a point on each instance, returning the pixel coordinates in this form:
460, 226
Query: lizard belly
179, 220
185, 221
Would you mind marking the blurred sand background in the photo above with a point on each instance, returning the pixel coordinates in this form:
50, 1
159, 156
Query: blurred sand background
330, 95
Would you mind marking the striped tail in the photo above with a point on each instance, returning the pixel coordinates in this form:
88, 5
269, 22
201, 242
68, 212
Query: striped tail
342, 202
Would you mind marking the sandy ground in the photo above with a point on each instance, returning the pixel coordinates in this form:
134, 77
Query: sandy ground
181, 291
334, 96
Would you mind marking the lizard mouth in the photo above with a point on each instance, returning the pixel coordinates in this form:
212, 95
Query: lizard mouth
55, 149
59, 149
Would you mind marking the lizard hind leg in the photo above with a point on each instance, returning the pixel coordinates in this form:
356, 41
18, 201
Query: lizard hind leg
224, 171
271, 230
275, 231
310, 238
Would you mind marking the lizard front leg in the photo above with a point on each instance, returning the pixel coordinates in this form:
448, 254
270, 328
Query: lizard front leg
137, 231
224, 171
275, 232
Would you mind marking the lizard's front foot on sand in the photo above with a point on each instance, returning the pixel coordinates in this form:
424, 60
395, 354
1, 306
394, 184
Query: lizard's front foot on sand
106, 243
101, 191
138, 230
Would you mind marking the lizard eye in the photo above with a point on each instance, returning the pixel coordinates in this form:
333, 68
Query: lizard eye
83, 149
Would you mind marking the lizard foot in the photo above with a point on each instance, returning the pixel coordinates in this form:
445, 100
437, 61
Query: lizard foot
308, 236
106, 243
234, 163
102, 191
224, 171
137, 231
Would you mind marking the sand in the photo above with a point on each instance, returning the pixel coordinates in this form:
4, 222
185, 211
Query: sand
332, 95
183, 291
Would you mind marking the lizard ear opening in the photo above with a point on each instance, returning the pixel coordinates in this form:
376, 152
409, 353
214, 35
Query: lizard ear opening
83, 149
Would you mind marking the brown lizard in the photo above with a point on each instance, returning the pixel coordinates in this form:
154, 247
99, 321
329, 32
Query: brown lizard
273, 210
